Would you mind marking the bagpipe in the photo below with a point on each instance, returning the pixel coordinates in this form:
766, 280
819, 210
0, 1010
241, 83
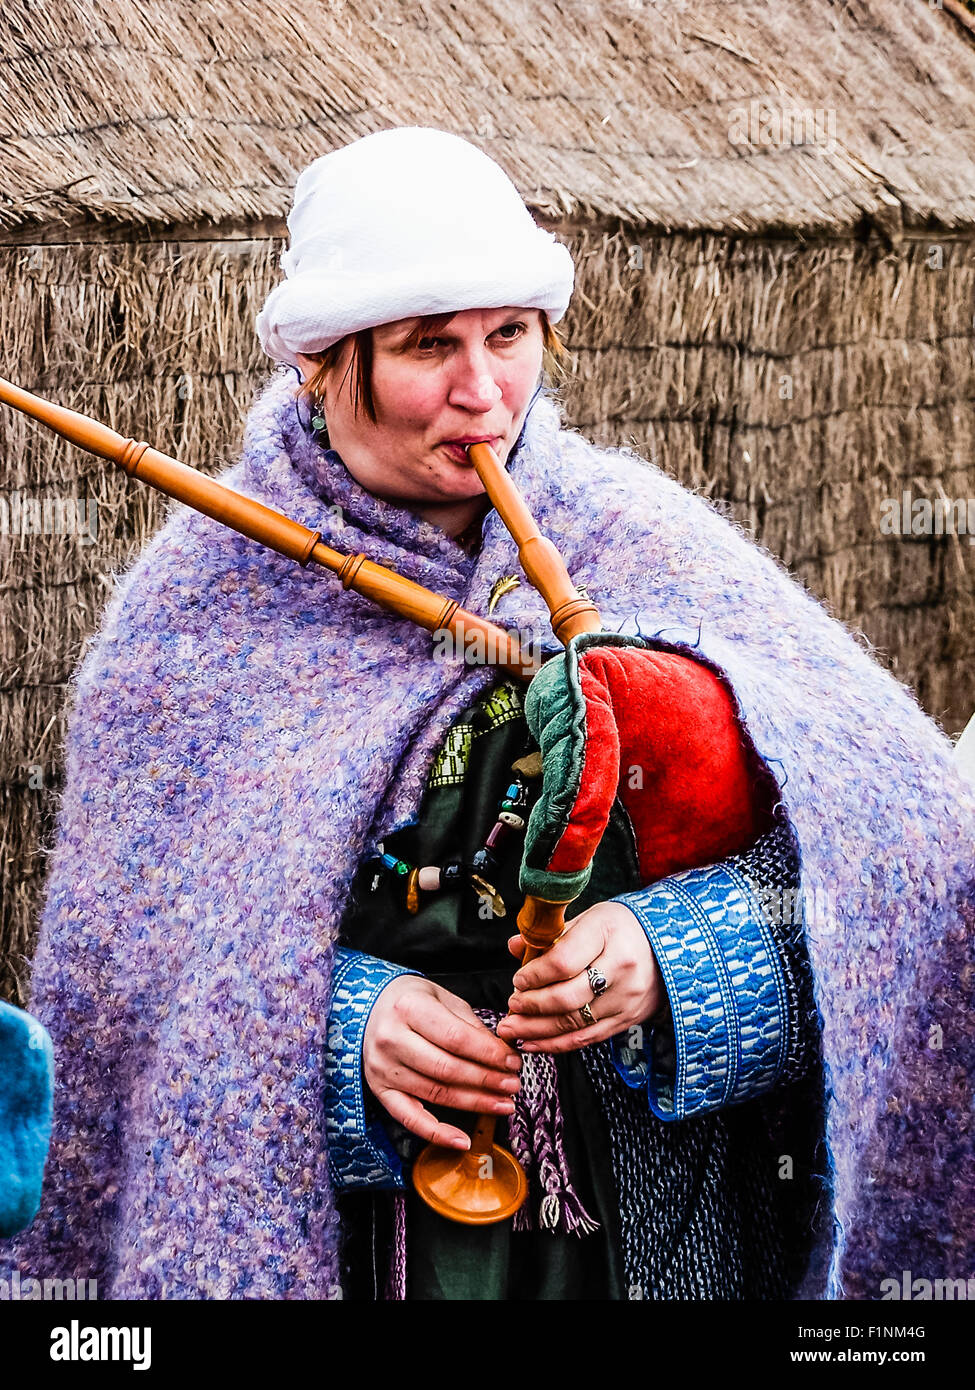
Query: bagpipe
604, 706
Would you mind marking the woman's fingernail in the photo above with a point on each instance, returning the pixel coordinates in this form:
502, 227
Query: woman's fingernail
513, 1063
511, 1083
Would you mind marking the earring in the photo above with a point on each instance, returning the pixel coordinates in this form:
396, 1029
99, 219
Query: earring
318, 416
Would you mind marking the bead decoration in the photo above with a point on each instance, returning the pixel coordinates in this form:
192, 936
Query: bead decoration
483, 868
487, 891
498, 832
529, 766
413, 892
398, 866
484, 862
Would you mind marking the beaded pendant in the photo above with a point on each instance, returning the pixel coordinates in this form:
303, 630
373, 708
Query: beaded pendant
483, 868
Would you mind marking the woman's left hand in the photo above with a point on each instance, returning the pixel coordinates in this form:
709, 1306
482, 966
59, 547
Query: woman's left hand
551, 990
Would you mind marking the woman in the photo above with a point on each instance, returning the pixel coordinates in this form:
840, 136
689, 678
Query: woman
280, 801
421, 1039
456, 376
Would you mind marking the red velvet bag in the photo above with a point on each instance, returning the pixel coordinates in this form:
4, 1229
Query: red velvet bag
614, 716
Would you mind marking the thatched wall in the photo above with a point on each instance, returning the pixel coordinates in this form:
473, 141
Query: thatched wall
803, 384
798, 383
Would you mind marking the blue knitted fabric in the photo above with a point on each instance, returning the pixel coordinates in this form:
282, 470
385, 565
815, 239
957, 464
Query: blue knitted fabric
244, 730
26, 1084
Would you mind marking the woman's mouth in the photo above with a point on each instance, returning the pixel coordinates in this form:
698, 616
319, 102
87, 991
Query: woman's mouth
458, 451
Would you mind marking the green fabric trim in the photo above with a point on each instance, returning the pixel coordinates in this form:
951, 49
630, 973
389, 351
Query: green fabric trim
450, 767
553, 888
556, 715
555, 710
495, 707
501, 705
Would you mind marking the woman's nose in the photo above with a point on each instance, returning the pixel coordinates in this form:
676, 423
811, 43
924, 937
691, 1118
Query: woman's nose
473, 384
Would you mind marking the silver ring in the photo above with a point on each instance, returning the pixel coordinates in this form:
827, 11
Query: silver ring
597, 982
587, 1014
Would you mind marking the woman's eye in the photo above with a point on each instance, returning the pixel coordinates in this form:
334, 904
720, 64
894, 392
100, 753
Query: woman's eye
428, 344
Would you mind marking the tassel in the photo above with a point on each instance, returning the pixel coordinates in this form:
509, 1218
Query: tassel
396, 1279
535, 1133
548, 1212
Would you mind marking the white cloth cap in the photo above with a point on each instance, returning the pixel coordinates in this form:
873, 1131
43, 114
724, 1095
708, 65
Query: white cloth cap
404, 222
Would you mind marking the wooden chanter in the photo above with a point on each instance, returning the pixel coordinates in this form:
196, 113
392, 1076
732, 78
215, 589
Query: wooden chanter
462, 1186
486, 1183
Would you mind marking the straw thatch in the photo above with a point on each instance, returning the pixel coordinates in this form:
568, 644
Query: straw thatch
181, 113
787, 329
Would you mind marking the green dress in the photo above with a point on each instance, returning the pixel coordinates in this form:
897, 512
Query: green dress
688, 1209
457, 942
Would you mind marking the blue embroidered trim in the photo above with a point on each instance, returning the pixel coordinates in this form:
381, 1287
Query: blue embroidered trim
727, 994
359, 1150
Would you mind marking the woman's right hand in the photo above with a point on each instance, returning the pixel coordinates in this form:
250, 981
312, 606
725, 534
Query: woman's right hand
423, 1043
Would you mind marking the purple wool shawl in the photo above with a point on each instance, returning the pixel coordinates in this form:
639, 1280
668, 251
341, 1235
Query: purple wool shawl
242, 731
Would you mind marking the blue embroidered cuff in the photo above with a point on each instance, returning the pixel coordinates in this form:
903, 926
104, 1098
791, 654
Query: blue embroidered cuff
727, 994
360, 1153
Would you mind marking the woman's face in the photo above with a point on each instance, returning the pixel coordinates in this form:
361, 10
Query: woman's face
475, 379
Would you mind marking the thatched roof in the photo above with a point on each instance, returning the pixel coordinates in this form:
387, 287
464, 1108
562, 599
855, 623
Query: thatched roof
186, 113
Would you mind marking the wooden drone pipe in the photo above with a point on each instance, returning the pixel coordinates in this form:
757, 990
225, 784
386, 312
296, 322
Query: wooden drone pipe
278, 532
456, 1185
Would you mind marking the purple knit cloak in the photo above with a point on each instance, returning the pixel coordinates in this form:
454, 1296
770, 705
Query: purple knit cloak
243, 730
